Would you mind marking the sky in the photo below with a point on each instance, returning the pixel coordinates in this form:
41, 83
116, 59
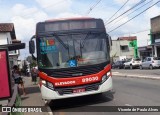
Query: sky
26, 13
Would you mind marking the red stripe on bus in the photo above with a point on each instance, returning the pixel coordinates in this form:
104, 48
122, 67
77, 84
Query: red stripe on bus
75, 81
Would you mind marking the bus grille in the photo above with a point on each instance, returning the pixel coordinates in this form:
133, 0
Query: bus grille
78, 71
91, 87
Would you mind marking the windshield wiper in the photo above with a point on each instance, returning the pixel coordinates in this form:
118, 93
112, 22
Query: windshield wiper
82, 44
87, 36
59, 39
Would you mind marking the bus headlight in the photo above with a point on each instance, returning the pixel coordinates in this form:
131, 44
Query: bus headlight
50, 85
104, 78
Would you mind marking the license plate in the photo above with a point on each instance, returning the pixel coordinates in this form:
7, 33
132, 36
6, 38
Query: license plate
79, 90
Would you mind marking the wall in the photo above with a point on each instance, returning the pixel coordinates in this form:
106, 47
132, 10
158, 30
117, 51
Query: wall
3, 38
118, 53
155, 24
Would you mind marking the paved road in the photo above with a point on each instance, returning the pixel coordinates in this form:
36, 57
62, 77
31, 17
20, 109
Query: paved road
138, 71
128, 92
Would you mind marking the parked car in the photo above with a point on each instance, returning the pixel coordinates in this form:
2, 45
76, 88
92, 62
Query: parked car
118, 64
132, 63
150, 62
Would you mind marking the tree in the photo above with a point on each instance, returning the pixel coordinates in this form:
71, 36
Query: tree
32, 62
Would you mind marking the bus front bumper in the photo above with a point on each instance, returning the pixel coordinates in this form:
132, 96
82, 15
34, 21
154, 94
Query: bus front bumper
49, 94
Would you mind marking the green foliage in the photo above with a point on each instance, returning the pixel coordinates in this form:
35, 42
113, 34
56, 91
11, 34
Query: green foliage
33, 64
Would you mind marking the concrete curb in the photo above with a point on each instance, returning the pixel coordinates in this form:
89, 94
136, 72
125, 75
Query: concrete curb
136, 76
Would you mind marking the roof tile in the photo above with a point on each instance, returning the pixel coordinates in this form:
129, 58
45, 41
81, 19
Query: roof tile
6, 27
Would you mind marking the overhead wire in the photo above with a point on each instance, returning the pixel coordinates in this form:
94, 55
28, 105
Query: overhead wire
92, 7
134, 32
117, 11
125, 11
133, 11
134, 16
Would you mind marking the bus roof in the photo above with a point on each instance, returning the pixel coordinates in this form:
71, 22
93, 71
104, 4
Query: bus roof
64, 19
71, 25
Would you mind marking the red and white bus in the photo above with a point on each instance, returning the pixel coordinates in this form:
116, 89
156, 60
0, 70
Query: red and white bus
73, 57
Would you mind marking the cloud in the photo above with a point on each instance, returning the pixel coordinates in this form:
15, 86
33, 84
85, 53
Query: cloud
25, 20
25, 12
131, 2
153, 12
24, 27
68, 15
55, 6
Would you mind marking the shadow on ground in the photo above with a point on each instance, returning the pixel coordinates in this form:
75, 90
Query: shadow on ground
79, 103
30, 90
33, 89
23, 98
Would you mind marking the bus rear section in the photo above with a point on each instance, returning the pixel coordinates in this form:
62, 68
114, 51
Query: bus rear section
73, 58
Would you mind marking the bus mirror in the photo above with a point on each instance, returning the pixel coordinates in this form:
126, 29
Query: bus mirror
31, 47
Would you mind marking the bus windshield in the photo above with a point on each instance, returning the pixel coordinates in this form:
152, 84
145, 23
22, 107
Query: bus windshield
72, 50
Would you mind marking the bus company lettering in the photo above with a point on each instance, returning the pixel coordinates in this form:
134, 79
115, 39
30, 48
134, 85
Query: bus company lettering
64, 83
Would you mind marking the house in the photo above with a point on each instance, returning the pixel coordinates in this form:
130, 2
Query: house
8, 40
121, 49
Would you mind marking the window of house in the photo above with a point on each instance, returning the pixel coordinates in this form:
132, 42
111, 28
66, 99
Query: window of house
124, 48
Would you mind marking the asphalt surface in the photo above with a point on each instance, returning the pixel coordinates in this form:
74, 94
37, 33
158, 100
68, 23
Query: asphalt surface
127, 92
138, 71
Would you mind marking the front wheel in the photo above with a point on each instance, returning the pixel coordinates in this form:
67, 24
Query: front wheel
151, 67
141, 67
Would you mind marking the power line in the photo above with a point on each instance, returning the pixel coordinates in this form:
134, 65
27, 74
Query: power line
134, 16
133, 11
117, 11
92, 7
140, 31
126, 11
135, 32
140, 7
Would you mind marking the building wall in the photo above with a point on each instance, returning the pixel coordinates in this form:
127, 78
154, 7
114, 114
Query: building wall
155, 24
5, 38
117, 53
